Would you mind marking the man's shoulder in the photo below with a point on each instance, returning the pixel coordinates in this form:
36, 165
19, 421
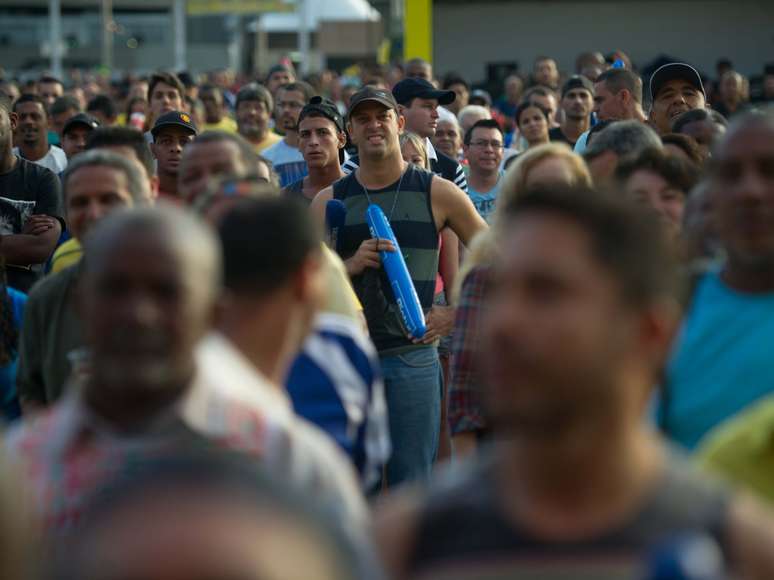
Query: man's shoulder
28, 171
447, 163
49, 289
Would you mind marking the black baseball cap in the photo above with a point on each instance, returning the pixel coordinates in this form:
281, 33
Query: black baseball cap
481, 94
324, 107
577, 82
174, 119
673, 71
81, 119
416, 88
369, 93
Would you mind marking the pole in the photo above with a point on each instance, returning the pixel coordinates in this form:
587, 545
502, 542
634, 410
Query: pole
418, 30
303, 7
178, 18
55, 36
107, 34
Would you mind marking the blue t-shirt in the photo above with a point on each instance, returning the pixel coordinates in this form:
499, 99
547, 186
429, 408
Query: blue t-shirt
8, 399
722, 360
485, 202
287, 162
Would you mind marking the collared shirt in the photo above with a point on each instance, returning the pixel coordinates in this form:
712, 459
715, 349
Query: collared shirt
741, 450
69, 453
465, 405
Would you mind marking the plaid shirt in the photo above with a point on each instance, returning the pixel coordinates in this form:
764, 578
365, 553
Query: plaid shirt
465, 413
69, 453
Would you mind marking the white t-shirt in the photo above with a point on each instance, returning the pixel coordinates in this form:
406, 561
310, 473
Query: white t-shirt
55, 159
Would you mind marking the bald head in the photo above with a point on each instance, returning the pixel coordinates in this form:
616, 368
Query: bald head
150, 283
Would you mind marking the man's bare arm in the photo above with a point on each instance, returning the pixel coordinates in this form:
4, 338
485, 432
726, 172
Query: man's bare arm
453, 207
318, 206
29, 248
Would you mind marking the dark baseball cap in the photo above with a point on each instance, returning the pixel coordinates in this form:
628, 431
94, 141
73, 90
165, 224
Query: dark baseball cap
577, 82
674, 71
416, 88
481, 94
324, 107
82, 120
369, 93
174, 119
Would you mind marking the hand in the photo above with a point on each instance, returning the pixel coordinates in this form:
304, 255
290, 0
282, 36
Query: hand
367, 255
438, 323
38, 224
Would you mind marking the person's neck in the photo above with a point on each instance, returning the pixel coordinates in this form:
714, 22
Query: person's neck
581, 482
321, 177
746, 279
256, 138
636, 114
483, 181
214, 120
574, 128
537, 143
263, 331
34, 151
168, 182
132, 414
730, 103
379, 173
291, 138
7, 160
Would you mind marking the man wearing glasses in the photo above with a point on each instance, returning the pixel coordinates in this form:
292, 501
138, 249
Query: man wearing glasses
483, 148
284, 156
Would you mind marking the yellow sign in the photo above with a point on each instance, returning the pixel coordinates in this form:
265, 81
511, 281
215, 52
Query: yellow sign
198, 7
418, 29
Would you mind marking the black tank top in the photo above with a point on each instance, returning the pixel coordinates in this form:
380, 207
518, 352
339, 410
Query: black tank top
463, 534
410, 214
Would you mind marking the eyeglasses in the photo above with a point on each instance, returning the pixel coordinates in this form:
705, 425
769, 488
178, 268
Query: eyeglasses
484, 144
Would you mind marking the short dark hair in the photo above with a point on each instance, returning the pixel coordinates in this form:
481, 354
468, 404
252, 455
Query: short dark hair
676, 172
304, 88
104, 105
630, 243
50, 79
617, 79
255, 92
696, 116
485, 123
63, 104
541, 90
123, 137
529, 105
454, 79
168, 79
246, 151
210, 87
30, 98
687, 143
250, 234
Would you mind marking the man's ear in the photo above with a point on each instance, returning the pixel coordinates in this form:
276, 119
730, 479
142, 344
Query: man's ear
306, 281
341, 136
14, 119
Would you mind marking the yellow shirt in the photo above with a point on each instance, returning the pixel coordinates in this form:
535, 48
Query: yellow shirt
66, 255
741, 450
271, 139
226, 124
340, 297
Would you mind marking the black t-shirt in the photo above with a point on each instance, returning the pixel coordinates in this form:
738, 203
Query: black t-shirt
556, 134
26, 190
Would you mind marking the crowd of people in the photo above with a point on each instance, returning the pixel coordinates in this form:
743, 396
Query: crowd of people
206, 370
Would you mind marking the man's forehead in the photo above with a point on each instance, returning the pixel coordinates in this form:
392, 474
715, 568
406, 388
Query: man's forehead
317, 122
28, 106
291, 95
162, 86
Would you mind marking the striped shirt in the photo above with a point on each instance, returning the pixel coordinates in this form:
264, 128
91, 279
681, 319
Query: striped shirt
336, 384
440, 164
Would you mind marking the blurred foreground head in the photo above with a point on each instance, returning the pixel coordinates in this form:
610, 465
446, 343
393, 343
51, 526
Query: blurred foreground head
582, 312
203, 516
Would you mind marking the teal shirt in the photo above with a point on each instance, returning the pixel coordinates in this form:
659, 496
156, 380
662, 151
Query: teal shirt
722, 362
485, 201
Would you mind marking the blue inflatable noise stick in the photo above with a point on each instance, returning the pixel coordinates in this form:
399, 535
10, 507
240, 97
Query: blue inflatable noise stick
397, 273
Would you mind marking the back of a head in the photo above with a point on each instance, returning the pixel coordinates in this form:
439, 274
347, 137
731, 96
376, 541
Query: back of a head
626, 139
63, 104
104, 105
249, 157
676, 172
469, 112
188, 237
265, 241
697, 116
630, 243
105, 137
616, 79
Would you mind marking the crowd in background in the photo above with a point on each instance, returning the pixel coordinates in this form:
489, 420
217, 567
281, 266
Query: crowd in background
207, 370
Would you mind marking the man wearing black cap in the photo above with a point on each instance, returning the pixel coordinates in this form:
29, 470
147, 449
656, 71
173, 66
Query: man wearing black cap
676, 88
75, 132
171, 133
321, 140
418, 102
577, 103
418, 206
